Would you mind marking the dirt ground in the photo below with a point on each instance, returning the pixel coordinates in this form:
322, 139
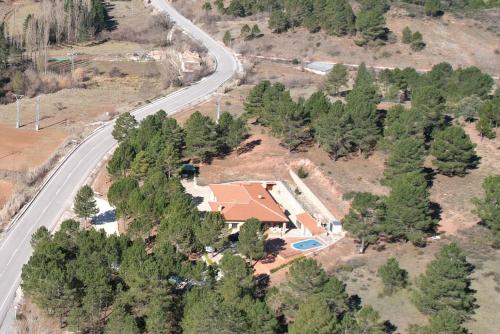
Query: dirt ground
75, 112
455, 194
459, 41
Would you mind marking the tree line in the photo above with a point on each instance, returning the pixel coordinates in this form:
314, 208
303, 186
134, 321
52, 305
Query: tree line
145, 169
335, 17
59, 22
407, 135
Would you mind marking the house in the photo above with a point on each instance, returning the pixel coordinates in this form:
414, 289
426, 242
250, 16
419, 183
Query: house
308, 225
241, 201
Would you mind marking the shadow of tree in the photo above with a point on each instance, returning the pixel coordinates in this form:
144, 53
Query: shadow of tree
105, 217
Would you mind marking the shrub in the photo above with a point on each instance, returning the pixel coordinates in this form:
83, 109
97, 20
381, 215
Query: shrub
115, 72
393, 276
302, 173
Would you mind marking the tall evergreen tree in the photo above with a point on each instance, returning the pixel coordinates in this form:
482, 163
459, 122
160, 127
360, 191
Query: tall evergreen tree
488, 208
402, 123
445, 285
4, 47
336, 78
210, 231
362, 221
85, 205
370, 23
252, 239
431, 103
201, 141
392, 276
408, 212
362, 109
407, 156
124, 125
336, 17
453, 151
442, 322
121, 321
333, 131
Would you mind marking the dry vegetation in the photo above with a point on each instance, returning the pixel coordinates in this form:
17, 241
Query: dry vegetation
105, 83
461, 41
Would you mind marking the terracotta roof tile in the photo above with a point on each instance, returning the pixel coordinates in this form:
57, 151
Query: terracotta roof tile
241, 201
310, 223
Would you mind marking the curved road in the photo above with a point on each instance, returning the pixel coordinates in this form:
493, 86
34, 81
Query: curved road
58, 193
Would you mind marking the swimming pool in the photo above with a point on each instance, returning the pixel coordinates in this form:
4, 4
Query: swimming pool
306, 244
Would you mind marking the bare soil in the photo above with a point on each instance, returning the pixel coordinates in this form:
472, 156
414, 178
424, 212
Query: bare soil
455, 194
460, 41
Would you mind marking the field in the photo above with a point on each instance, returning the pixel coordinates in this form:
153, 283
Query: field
109, 83
461, 41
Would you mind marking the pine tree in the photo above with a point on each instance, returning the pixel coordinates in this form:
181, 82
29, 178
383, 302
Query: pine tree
316, 105
169, 160
432, 7
85, 205
314, 317
124, 125
488, 208
362, 110
255, 31
336, 17
402, 123
453, 151
366, 320
489, 118
210, 232
445, 285
279, 22
371, 25
431, 103
392, 276
227, 39
201, 141
336, 78
408, 213
305, 278
245, 31
4, 47
251, 242
333, 131
443, 322
362, 220
121, 321
407, 156
407, 35
141, 165
254, 103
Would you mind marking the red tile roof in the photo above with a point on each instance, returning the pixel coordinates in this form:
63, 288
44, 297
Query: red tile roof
241, 201
310, 223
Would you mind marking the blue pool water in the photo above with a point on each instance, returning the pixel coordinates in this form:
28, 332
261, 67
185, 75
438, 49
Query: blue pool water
306, 244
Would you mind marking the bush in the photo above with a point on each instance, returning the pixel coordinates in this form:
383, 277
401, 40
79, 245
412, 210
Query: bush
115, 72
393, 276
302, 173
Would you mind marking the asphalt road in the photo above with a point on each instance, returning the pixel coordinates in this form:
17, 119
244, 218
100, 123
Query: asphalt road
58, 193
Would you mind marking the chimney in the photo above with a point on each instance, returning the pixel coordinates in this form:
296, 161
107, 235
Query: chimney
261, 197
220, 208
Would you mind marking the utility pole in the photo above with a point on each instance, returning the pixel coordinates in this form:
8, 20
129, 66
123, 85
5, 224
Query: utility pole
218, 109
37, 114
18, 107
